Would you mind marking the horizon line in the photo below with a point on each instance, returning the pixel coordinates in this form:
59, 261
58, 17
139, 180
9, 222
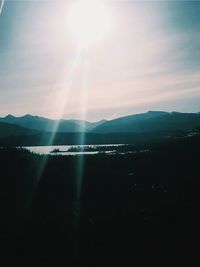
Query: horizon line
76, 119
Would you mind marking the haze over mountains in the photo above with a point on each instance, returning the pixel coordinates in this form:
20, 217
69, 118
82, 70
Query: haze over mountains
150, 121
49, 125
152, 125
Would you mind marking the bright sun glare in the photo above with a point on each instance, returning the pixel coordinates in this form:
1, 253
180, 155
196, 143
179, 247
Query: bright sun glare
89, 21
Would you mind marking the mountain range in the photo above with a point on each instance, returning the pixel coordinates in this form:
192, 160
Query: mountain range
37, 129
152, 121
44, 124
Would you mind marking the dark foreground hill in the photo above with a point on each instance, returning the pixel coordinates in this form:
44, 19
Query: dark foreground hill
139, 209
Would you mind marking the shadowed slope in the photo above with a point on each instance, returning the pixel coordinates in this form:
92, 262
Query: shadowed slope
151, 122
7, 129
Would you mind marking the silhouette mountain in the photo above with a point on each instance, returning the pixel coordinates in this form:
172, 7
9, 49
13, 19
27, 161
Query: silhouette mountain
152, 121
49, 125
149, 122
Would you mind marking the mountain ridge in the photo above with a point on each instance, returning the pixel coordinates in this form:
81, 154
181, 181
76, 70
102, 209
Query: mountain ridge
45, 124
151, 121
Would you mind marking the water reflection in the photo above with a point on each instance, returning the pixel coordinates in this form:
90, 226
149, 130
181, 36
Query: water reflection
74, 149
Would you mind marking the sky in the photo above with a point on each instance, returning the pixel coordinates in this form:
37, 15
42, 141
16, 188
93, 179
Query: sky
150, 60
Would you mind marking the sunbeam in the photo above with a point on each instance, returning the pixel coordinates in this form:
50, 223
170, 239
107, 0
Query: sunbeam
79, 172
67, 83
83, 102
63, 101
64, 90
1, 5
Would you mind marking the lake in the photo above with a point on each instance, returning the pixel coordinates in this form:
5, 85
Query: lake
73, 149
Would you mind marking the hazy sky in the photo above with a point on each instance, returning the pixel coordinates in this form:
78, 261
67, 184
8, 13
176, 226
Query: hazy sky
149, 61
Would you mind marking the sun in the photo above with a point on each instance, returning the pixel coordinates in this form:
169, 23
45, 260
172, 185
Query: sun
89, 21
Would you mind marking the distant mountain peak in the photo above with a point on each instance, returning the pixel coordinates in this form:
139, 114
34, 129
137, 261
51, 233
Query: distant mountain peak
9, 116
27, 116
